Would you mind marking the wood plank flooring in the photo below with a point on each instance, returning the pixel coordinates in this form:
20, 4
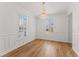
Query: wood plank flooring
43, 48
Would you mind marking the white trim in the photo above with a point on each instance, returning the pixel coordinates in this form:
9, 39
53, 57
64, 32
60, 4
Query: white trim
7, 51
75, 51
53, 40
11, 38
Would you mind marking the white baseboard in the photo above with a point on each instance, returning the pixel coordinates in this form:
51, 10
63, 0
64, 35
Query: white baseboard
75, 51
54, 40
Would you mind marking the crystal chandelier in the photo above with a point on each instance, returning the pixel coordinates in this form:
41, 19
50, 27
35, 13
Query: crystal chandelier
43, 11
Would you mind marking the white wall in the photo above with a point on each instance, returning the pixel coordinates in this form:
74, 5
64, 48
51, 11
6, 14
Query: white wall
74, 9
70, 27
75, 28
60, 32
9, 39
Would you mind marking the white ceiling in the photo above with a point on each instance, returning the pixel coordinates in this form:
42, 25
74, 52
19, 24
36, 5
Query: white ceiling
51, 7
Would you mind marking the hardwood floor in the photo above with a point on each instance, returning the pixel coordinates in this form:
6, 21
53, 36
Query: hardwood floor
43, 48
